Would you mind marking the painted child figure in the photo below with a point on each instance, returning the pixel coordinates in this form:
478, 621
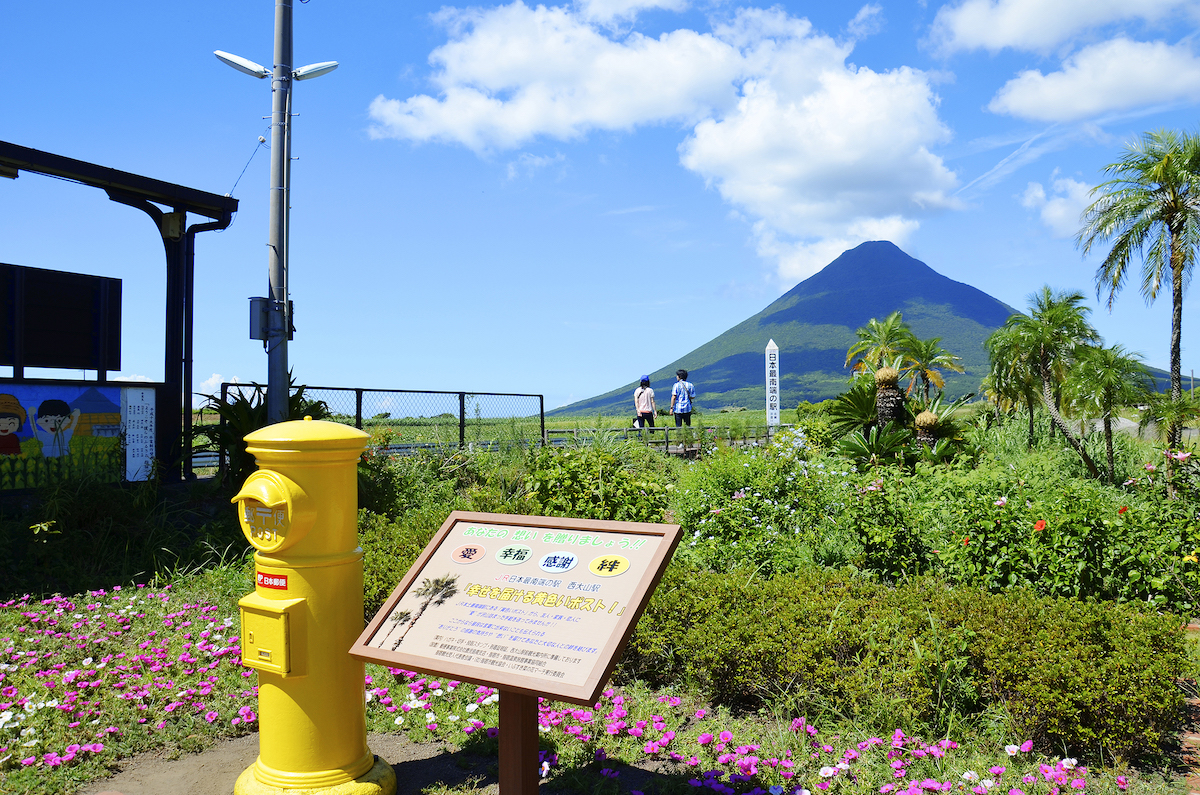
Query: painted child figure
53, 424
12, 417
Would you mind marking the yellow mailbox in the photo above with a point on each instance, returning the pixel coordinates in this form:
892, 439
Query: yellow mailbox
299, 511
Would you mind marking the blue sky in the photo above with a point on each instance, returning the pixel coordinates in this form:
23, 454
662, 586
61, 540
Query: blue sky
557, 199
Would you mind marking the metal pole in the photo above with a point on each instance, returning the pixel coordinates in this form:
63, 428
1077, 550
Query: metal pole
278, 322
462, 418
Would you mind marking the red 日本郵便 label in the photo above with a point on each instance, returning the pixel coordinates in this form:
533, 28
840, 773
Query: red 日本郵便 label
276, 581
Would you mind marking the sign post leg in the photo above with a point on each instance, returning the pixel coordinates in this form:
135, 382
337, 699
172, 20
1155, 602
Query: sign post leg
519, 773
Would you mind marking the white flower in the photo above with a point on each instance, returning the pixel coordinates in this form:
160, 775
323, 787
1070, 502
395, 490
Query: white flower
437, 692
451, 717
430, 717
970, 775
28, 731
1012, 750
399, 720
988, 783
827, 771
471, 708
87, 661
1068, 763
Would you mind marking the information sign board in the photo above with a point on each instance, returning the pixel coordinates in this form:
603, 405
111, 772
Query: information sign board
530, 604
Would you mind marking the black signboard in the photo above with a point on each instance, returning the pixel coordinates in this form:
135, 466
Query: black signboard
57, 319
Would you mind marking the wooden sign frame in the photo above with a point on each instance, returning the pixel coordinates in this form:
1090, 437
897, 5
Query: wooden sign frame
608, 536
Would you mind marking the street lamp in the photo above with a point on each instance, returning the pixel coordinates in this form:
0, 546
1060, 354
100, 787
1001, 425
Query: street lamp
277, 328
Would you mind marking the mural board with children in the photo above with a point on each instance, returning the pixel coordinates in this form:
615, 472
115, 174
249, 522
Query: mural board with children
53, 431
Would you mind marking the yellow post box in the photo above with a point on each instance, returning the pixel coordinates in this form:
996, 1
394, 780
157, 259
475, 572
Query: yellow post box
299, 511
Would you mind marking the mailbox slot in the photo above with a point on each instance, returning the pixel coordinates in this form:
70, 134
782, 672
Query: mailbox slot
271, 629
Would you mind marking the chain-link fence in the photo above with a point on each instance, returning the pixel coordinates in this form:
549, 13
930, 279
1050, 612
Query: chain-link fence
407, 419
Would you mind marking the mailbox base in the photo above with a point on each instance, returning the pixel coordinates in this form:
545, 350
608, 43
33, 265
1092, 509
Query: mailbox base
379, 780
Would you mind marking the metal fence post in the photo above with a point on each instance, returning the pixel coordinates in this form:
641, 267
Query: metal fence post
542, 415
222, 464
358, 393
462, 418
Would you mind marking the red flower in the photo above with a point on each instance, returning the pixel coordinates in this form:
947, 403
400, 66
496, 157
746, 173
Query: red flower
1122, 509
1039, 525
966, 541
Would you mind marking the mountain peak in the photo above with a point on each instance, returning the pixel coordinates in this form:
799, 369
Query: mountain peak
813, 325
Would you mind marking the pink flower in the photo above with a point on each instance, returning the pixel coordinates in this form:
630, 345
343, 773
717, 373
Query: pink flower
1122, 782
1001, 502
704, 739
1027, 746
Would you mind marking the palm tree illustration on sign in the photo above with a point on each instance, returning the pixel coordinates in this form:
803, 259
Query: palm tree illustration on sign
436, 592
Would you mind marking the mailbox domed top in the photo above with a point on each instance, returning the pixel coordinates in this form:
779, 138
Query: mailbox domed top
308, 434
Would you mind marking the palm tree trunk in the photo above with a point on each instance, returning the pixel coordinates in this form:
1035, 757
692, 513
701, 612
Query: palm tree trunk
1029, 400
1175, 433
1057, 420
400, 640
1108, 446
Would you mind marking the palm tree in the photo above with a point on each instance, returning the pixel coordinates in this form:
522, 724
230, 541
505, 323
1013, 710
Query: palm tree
1151, 207
1048, 340
1105, 380
1010, 379
878, 343
924, 360
438, 591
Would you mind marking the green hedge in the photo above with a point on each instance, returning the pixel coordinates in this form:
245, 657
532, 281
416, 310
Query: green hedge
1098, 679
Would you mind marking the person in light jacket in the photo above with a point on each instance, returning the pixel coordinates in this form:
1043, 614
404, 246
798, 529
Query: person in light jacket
643, 403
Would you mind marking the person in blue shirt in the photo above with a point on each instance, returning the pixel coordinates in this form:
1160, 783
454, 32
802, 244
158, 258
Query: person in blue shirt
683, 394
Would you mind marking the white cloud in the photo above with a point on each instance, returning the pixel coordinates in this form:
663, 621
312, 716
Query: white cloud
867, 22
527, 164
1037, 25
512, 73
854, 148
800, 259
809, 146
606, 12
1059, 212
1115, 75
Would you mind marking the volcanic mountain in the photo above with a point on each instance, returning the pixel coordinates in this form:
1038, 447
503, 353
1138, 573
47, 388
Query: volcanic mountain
814, 323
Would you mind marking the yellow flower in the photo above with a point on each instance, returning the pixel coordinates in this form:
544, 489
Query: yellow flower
1190, 558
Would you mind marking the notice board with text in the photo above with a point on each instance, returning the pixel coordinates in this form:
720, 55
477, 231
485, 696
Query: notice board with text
525, 603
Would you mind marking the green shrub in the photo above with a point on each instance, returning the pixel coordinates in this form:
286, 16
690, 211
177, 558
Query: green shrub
1095, 679
597, 482
85, 533
879, 514
768, 509
390, 547
1037, 527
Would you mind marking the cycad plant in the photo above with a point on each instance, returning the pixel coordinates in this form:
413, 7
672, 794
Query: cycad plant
889, 400
242, 415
